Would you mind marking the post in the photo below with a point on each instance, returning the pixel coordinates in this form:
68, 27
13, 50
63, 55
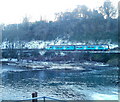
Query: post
33, 96
44, 99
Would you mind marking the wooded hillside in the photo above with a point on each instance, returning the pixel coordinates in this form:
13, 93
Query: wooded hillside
81, 24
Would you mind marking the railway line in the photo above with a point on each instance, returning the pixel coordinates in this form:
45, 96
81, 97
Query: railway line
44, 50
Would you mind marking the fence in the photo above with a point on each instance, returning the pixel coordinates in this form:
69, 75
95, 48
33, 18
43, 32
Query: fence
35, 98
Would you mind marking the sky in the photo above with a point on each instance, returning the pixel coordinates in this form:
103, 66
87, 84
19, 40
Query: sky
13, 11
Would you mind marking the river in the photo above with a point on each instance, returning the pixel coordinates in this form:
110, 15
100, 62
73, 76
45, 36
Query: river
19, 83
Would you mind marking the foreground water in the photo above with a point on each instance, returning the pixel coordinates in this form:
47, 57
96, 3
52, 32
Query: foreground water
19, 83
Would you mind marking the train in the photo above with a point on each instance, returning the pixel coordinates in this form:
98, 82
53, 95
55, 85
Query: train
78, 47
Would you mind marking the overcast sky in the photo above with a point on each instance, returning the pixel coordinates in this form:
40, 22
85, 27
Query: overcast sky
13, 11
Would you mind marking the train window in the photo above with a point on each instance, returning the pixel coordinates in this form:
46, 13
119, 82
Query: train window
90, 46
79, 47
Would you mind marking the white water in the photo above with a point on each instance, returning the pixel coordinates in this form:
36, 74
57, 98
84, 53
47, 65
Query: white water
66, 85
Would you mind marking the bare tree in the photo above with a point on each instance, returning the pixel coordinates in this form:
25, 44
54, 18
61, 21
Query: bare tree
108, 10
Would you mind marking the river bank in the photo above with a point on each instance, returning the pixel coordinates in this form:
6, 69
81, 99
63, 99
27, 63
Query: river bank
34, 58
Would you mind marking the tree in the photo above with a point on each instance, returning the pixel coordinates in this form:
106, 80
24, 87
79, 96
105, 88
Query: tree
82, 11
108, 9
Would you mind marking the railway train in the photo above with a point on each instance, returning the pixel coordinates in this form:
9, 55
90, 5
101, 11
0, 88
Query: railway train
77, 47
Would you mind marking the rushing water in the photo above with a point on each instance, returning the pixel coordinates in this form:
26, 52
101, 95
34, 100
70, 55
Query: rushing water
19, 83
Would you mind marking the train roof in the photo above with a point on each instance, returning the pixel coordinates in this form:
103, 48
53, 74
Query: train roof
82, 45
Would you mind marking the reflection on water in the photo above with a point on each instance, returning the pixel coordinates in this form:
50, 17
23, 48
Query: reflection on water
19, 83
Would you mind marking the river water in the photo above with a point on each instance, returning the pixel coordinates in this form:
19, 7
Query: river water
19, 83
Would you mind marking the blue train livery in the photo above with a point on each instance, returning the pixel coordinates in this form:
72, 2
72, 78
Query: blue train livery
78, 47
91, 47
60, 47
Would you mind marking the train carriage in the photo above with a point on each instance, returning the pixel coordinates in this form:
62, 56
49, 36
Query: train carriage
103, 47
60, 47
91, 47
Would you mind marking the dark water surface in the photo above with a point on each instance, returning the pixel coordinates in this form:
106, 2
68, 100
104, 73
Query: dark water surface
19, 83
